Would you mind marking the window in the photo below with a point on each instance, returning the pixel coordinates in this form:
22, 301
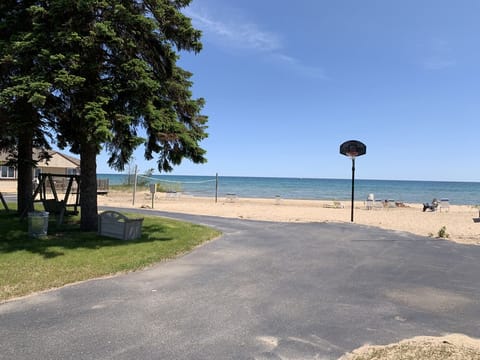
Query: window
7, 172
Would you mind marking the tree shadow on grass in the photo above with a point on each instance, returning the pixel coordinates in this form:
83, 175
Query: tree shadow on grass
14, 237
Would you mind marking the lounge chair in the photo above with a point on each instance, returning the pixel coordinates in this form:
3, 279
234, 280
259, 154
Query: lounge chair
391, 203
338, 205
231, 197
431, 207
444, 204
335, 205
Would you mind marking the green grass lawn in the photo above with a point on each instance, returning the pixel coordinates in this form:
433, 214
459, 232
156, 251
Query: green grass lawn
68, 255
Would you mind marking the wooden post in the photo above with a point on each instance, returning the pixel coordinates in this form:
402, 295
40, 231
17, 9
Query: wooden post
216, 187
4, 202
134, 186
153, 190
52, 187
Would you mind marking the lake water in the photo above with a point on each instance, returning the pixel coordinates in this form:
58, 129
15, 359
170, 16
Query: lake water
316, 189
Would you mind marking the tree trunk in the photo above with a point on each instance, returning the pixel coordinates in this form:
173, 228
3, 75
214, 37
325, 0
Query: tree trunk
25, 171
88, 188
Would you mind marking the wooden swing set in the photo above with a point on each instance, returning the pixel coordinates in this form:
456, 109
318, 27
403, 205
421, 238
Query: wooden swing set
53, 204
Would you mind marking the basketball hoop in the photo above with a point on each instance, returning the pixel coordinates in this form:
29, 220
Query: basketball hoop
352, 149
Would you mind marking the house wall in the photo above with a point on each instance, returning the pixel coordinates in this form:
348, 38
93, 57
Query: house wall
7, 186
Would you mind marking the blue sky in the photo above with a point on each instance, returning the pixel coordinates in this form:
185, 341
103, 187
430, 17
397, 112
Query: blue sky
287, 82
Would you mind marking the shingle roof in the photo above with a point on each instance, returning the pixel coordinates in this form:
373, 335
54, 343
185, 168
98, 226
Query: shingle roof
69, 158
36, 155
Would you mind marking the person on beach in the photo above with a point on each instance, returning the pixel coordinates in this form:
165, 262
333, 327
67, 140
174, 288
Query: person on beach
432, 207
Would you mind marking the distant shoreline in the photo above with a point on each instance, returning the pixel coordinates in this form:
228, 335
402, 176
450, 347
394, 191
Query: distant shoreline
289, 177
411, 191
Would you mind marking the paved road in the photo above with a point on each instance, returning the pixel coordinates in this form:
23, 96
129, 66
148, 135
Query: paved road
261, 291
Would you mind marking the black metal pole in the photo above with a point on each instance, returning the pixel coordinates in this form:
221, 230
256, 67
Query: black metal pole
353, 187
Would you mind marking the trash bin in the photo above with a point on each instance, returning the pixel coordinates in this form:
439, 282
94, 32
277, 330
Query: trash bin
37, 223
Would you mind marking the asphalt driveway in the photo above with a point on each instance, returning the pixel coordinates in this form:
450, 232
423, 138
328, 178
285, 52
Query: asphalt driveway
261, 291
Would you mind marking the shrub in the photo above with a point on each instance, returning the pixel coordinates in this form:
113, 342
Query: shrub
442, 233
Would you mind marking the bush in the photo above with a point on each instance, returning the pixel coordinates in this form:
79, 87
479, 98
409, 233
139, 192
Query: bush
442, 233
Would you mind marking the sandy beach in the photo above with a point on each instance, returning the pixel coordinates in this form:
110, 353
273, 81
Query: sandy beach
459, 220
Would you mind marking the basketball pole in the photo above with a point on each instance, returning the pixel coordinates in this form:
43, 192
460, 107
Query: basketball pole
352, 149
353, 187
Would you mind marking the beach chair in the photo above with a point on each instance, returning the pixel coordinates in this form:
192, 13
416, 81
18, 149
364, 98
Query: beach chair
338, 205
335, 205
278, 199
231, 197
171, 195
378, 204
391, 204
444, 204
370, 201
432, 207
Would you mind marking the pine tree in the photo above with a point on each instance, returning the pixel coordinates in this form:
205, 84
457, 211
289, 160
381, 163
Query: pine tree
23, 91
110, 69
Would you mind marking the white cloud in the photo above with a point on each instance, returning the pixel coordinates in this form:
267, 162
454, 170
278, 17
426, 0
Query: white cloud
299, 67
246, 35
439, 55
240, 35
437, 63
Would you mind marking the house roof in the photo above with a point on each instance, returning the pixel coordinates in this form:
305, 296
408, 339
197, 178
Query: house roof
69, 158
36, 155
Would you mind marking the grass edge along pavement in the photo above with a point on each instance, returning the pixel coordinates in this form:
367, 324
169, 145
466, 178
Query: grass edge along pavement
67, 255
